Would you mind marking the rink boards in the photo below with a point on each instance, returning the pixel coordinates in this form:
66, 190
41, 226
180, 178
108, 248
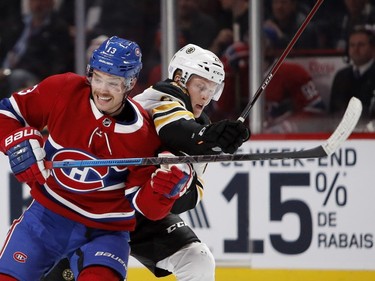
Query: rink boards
310, 219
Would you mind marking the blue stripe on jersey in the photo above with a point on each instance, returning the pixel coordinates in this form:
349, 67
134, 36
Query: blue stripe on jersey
7, 109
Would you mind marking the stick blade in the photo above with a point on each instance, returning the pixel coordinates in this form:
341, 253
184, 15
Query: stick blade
346, 126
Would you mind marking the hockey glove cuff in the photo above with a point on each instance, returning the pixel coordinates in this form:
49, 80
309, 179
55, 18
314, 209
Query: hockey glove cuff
172, 180
26, 155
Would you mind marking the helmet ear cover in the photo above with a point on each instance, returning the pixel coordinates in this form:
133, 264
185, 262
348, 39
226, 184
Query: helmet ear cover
192, 59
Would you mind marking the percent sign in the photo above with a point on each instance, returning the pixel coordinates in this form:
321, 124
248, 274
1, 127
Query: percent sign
321, 185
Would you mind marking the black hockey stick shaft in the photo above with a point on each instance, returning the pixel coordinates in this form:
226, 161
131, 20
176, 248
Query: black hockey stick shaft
343, 130
310, 153
279, 61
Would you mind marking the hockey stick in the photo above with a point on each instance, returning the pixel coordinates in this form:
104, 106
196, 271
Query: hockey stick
278, 62
342, 132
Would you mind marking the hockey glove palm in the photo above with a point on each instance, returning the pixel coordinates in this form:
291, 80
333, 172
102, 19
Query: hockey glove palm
226, 134
26, 155
172, 180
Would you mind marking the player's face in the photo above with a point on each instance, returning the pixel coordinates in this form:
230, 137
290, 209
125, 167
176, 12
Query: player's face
201, 91
108, 92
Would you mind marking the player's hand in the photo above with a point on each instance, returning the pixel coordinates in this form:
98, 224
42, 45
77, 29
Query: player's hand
226, 134
172, 180
26, 155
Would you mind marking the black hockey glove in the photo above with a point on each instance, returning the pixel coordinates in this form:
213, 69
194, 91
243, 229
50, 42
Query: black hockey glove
226, 134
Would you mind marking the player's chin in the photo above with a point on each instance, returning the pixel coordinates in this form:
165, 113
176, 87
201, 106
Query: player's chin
197, 112
102, 106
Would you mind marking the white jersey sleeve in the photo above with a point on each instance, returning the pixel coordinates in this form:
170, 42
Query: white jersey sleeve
162, 107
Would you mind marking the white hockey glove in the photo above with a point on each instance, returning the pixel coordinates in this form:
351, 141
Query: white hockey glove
172, 180
26, 155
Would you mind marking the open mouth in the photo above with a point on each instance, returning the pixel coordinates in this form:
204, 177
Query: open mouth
103, 99
199, 106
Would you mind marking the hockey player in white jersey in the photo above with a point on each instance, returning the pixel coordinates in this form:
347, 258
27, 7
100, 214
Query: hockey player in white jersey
195, 77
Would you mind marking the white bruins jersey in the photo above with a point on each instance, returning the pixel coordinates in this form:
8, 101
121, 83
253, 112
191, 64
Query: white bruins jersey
163, 108
169, 109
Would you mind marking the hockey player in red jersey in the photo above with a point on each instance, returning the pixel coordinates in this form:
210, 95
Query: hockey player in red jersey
85, 210
169, 246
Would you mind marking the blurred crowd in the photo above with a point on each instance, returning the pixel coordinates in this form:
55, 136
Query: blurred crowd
37, 40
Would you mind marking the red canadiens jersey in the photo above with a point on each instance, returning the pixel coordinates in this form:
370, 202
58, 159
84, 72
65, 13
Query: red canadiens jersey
99, 197
292, 90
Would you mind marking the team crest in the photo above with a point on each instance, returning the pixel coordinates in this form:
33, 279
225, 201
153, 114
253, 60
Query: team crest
190, 50
20, 257
86, 179
68, 274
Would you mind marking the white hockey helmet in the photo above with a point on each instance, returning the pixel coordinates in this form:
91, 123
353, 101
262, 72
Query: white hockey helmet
192, 59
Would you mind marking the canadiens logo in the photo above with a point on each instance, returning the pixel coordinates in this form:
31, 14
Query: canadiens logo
86, 179
20, 257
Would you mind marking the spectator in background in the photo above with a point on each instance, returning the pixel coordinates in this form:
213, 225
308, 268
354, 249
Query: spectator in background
94, 44
67, 10
292, 102
357, 12
357, 79
39, 47
326, 21
195, 26
10, 14
230, 40
136, 20
236, 28
285, 19
153, 63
